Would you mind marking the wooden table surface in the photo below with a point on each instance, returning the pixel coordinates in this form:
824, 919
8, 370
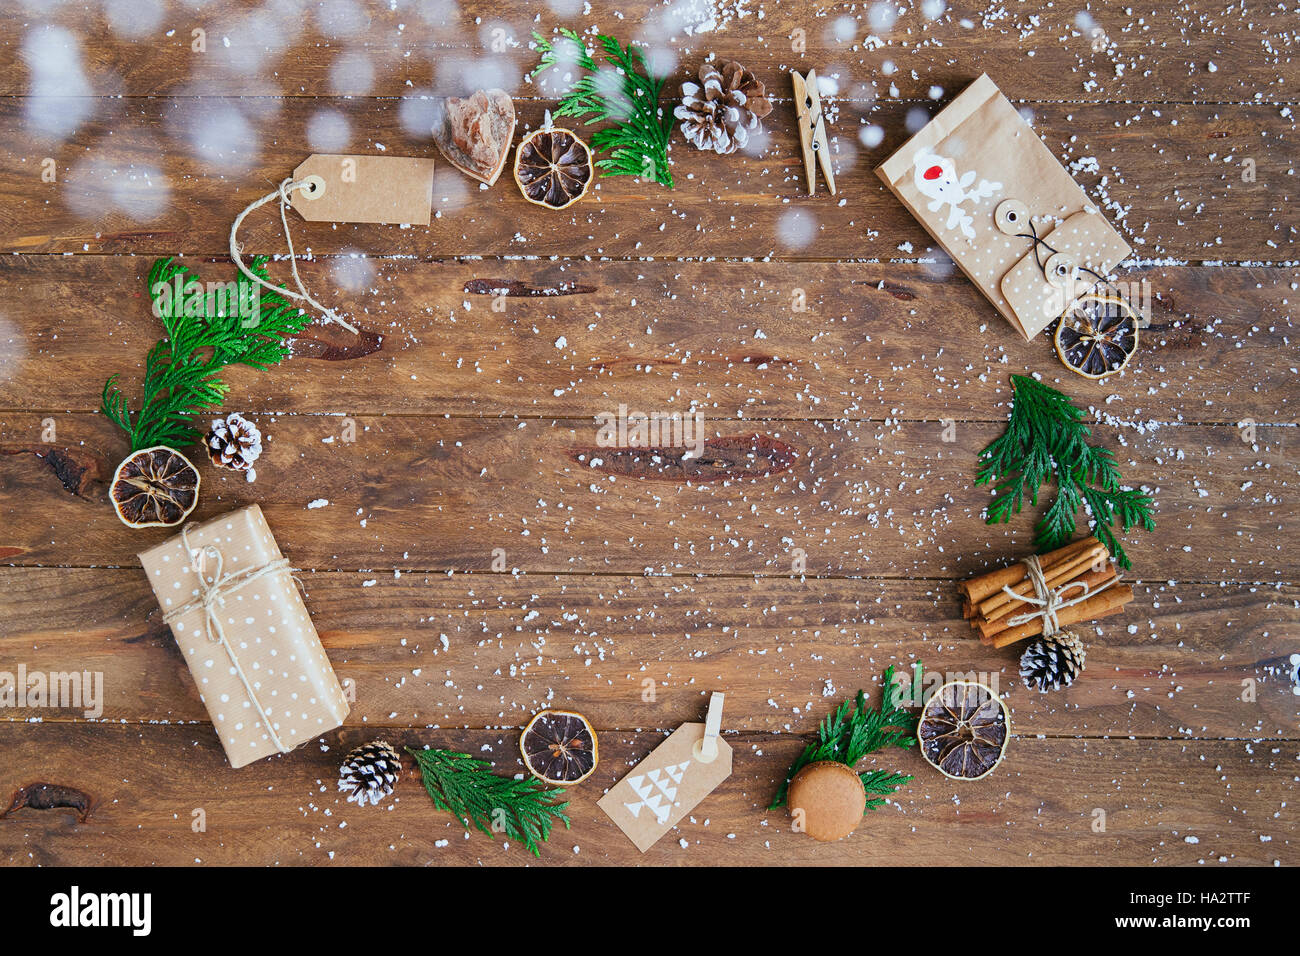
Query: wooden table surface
1179, 745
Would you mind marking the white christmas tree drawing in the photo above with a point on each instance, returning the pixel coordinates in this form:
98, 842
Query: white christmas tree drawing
656, 790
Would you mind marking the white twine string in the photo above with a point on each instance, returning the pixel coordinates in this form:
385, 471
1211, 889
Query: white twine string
286, 187
212, 593
1049, 600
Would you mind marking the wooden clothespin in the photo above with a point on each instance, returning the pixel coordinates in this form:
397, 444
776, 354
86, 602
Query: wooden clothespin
706, 748
812, 130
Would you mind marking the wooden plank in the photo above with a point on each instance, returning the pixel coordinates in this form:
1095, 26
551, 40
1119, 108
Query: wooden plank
1164, 803
781, 340
879, 499
488, 651
167, 176
1114, 51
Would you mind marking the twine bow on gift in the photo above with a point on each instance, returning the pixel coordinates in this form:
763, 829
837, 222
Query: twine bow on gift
1049, 600
212, 595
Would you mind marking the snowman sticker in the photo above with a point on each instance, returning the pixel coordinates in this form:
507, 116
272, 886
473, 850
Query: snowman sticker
936, 178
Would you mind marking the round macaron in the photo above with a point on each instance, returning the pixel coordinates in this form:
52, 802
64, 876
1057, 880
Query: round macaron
826, 798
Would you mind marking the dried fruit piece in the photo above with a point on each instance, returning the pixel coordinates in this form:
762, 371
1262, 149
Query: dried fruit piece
474, 133
1097, 336
963, 730
553, 167
154, 486
559, 746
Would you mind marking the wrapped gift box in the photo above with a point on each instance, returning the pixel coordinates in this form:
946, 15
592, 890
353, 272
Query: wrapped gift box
239, 620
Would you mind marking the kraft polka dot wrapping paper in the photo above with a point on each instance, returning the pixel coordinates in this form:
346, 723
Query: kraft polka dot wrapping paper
241, 625
982, 183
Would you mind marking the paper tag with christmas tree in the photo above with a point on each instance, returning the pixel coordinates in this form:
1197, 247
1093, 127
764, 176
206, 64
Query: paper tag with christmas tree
668, 784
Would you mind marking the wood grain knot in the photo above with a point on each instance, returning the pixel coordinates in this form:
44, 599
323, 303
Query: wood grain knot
730, 457
78, 470
51, 796
1181, 327
343, 349
518, 289
765, 361
897, 291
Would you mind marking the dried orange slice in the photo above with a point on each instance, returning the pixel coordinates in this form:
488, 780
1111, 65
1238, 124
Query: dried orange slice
559, 746
154, 486
553, 167
963, 730
1097, 335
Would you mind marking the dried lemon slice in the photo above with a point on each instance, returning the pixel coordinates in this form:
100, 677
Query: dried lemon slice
154, 487
553, 167
963, 730
559, 746
1097, 335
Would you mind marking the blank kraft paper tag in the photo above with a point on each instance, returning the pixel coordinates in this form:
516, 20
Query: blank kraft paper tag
665, 786
387, 189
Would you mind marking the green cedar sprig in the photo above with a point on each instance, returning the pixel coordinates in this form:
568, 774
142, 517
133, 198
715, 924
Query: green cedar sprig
205, 330
854, 730
627, 95
521, 809
1046, 440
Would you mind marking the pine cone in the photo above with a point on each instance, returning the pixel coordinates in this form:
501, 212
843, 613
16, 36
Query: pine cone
370, 772
234, 442
720, 111
1053, 662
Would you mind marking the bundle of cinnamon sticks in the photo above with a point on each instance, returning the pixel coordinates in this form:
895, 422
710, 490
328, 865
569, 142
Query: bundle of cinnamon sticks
990, 609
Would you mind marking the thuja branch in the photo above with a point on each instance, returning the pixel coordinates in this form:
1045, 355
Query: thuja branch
622, 92
207, 327
466, 786
1045, 440
854, 730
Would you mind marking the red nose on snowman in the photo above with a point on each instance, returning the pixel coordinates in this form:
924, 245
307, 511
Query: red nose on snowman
934, 172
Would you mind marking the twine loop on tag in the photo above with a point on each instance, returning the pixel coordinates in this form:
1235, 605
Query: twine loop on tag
1049, 600
287, 187
213, 590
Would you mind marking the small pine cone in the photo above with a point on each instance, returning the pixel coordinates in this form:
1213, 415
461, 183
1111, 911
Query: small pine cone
1053, 662
370, 772
721, 111
234, 442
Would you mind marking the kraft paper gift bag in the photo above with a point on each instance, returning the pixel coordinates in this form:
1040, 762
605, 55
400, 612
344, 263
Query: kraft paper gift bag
996, 200
234, 608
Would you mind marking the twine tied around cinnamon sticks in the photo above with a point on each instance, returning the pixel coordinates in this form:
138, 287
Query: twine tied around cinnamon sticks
213, 590
1050, 600
1030, 597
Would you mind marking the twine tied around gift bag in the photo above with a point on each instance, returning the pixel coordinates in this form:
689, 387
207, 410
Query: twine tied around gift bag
212, 593
1040, 243
1049, 600
286, 187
